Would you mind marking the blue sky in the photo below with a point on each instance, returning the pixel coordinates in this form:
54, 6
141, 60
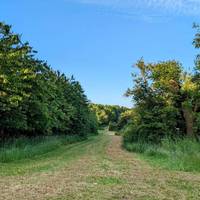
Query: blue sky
97, 41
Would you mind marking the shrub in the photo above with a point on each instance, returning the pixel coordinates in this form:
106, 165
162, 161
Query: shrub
112, 126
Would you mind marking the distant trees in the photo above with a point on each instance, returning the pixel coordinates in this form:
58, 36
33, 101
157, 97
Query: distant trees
35, 99
166, 100
115, 117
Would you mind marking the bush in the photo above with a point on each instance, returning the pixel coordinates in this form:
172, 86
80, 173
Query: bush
112, 126
93, 123
135, 147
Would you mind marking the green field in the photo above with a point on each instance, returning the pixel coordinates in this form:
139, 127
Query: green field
97, 168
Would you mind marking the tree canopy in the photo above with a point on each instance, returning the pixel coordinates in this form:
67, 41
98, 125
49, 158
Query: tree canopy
166, 100
113, 116
34, 98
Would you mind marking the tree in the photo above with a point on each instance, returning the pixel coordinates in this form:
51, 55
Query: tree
108, 114
35, 99
156, 94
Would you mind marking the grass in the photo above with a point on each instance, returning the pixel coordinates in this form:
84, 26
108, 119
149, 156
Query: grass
97, 168
26, 148
105, 180
61, 150
182, 155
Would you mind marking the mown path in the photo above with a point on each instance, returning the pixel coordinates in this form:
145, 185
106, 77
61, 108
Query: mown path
98, 169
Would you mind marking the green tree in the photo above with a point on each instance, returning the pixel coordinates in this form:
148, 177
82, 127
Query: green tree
156, 94
35, 99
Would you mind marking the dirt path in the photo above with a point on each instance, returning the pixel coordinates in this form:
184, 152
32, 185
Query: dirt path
106, 171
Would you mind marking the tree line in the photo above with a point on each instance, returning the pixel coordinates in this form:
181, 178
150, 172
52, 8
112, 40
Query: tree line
112, 116
34, 98
166, 100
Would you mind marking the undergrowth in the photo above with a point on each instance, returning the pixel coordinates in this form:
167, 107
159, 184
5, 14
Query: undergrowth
25, 148
182, 154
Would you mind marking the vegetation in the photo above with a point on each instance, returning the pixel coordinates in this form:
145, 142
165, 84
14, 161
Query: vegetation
50, 154
35, 99
181, 155
166, 101
45, 119
165, 127
85, 169
26, 148
113, 117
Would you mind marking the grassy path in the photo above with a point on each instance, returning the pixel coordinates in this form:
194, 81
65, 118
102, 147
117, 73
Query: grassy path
96, 169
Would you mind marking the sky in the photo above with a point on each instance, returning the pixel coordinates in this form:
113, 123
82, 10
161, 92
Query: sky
98, 41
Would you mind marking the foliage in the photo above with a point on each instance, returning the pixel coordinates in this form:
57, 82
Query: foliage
112, 126
35, 99
111, 115
166, 101
125, 118
156, 94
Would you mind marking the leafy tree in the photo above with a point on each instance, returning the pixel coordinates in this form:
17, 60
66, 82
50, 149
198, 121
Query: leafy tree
114, 117
156, 94
35, 99
166, 100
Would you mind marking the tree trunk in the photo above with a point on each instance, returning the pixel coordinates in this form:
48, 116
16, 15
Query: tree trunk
189, 121
1, 133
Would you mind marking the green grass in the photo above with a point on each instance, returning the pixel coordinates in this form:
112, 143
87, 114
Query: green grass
96, 168
105, 180
182, 155
24, 148
55, 158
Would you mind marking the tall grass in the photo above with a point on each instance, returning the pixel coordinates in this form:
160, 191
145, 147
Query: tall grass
26, 148
182, 154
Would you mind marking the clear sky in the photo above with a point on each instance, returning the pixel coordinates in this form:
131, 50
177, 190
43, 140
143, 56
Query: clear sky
97, 41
